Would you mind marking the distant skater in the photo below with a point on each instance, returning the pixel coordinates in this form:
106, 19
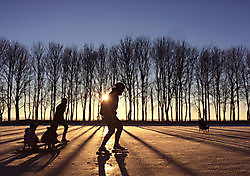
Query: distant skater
59, 120
203, 125
108, 111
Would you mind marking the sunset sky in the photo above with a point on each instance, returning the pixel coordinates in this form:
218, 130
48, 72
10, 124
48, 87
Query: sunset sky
223, 23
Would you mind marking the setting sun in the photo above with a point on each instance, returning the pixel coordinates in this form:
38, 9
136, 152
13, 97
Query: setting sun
105, 97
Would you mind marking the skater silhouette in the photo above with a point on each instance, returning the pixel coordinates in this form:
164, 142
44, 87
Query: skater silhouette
108, 112
59, 120
102, 159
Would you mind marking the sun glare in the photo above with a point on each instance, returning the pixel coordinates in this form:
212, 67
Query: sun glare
105, 97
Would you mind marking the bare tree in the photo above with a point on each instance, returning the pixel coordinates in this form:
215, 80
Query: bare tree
234, 61
142, 54
113, 65
53, 69
20, 76
38, 63
180, 62
78, 81
84, 84
4, 46
70, 57
162, 54
101, 74
217, 69
245, 77
127, 66
89, 59
203, 80
8, 74
189, 74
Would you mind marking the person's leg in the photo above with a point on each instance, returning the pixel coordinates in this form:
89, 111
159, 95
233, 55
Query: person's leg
111, 131
118, 133
54, 125
64, 123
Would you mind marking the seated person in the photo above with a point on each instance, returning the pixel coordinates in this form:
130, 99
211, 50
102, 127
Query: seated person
49, 137
30, 137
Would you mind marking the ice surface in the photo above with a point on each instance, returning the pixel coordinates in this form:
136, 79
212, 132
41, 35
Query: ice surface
153, 150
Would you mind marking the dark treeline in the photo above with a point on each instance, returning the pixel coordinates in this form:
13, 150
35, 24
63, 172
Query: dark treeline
165, 80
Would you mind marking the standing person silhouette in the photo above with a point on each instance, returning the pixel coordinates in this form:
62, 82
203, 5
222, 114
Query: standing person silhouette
59, 120
108, 111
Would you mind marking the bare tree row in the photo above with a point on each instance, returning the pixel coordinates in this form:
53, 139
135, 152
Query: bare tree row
165, 80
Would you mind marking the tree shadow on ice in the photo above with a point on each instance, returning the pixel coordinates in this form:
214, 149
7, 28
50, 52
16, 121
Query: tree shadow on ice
206, 140
32, 163
216, 133
60, 168
231, 130
164, 156
60, 147
26, 166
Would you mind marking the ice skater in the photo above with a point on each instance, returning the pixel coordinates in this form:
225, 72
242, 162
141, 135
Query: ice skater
108, 112
59, 120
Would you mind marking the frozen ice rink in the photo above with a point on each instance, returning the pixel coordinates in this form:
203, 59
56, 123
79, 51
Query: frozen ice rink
153, 150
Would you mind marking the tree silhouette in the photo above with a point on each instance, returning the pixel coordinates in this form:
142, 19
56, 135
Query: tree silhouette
165, 80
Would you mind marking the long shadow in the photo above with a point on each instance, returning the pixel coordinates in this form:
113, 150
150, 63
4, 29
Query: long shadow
51, 159
64, 164
79, 135
202, 136
203, 140
29, 164
167, 158
217, 134
15, 148
15, 156
20, 154
120, 159
26, 165
102, 159
231, 130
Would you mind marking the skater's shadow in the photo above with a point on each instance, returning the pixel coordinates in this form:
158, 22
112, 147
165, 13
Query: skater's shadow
120, 159
102, 159
17, 155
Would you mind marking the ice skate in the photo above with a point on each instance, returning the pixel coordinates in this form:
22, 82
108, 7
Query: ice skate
102, 151
119, 149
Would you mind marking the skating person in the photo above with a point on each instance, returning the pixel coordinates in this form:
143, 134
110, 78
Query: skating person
59, 120
108, 111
